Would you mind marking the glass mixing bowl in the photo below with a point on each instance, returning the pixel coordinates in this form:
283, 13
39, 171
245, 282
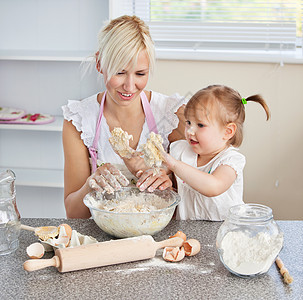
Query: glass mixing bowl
138, 220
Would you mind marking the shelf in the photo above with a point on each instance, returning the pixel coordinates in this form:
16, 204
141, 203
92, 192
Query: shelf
54, 126
39, 177
46, 55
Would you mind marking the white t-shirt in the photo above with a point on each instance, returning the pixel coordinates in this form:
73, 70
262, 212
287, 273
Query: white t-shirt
194, 205
84, 115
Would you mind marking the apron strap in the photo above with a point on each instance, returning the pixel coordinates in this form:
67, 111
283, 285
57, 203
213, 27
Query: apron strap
151, 123
93, 150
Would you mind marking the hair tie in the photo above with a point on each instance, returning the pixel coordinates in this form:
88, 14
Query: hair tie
244, 101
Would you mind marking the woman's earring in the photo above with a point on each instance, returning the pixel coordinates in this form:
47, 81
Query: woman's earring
98, 67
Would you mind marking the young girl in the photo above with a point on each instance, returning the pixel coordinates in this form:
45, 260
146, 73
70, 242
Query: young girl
207, 165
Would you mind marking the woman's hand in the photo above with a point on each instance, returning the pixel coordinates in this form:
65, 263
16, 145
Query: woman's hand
107, 178
169, 161
150, 181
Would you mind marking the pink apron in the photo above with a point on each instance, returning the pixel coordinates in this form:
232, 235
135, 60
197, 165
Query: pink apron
93, 150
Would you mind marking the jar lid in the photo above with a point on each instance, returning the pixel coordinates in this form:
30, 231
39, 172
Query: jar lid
250, 213
7, 176
7, 184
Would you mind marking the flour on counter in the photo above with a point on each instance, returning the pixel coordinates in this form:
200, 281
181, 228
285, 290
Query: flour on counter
159, 262
248, 255
128, 271
156, 262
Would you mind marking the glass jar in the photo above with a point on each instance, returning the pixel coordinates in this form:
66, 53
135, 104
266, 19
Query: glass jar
249, 240
9, 215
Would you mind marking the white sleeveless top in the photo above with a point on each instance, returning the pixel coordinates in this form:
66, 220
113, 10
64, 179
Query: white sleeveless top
194, 205
84, 116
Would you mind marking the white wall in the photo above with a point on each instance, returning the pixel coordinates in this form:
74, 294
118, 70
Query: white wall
39, 70
273, 149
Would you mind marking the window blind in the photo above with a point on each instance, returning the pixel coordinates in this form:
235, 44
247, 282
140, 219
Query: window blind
217, 24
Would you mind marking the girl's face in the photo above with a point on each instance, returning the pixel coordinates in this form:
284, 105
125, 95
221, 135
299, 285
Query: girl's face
206, 136
125, 86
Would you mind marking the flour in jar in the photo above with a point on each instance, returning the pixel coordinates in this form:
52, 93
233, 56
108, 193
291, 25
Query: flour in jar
249, 255
141, 202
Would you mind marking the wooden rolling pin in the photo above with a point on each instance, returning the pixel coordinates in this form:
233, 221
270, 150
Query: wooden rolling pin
102, 254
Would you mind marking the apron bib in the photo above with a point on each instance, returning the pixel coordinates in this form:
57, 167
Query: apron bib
93, 149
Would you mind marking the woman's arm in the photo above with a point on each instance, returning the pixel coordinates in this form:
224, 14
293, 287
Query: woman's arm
134, 164
78, 181
146, 177
210, 185
178, 133
76, 172
162, 181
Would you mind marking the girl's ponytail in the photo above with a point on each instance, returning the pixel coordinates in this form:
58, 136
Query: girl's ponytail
261, 101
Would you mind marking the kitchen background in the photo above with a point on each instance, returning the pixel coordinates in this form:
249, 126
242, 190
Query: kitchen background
41, 48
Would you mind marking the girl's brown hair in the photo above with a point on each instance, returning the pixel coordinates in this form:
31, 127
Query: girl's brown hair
226, 105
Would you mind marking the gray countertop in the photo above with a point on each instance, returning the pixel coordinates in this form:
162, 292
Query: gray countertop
199, 277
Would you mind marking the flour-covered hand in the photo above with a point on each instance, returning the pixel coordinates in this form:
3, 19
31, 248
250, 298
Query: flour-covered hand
119, 141
107, 179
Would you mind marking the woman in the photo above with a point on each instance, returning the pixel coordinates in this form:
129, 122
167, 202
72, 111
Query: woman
125, 59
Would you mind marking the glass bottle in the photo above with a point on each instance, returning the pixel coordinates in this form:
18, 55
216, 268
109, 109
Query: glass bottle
249, 240
9, 214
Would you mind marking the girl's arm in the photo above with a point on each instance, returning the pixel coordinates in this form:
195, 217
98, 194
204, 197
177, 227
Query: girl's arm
76, 172
210, 185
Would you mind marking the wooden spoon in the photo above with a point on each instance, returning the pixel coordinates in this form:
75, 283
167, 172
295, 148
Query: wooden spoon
44, 233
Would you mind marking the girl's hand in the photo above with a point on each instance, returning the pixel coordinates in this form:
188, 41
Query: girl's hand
107, 178
147, 180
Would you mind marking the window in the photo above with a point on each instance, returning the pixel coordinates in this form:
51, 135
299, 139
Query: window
259, 29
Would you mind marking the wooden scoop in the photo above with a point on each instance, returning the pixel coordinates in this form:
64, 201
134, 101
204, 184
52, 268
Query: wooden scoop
44, 233
102, 254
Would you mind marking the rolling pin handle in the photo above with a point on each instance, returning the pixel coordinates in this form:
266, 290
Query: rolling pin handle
25, 227
38, 264
172, 242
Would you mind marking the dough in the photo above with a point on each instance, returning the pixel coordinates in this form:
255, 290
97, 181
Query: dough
141, 202
152, 150
120, 142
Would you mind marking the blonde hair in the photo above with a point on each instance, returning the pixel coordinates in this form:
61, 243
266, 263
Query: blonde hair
120, 43
226, 105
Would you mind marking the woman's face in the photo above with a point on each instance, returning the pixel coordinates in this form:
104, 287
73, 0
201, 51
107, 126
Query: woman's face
125, 86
